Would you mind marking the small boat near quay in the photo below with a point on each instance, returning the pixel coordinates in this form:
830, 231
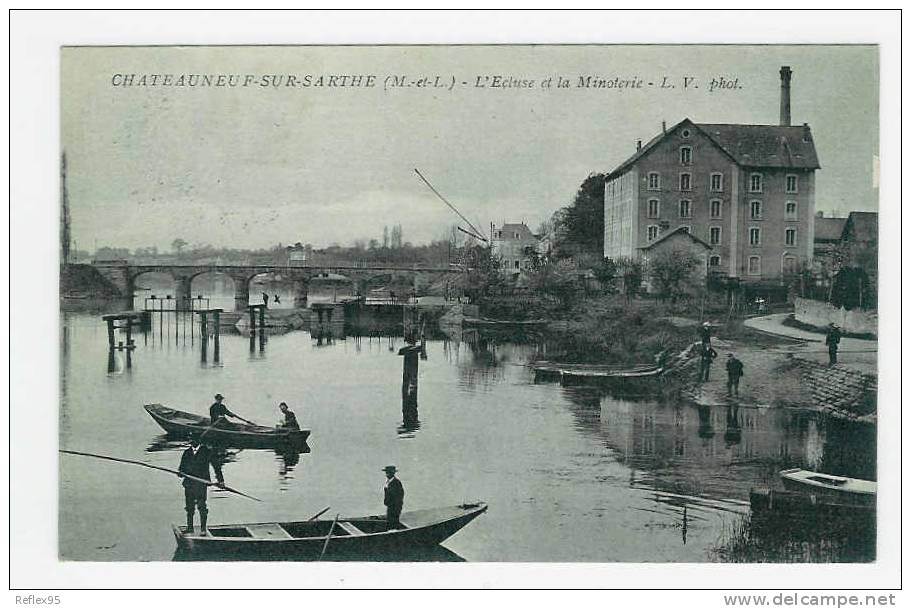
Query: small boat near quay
365, 537
483, 322
568, 373
828, 489
182, 424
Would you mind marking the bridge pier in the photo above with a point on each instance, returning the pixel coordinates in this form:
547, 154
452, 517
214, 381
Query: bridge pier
300, 298
241, 292
182, 293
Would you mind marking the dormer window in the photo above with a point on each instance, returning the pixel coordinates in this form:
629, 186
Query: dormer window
686, 155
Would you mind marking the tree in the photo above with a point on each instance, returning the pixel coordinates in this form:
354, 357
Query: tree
851, 289
606, 272
670, 271
484, 276
178, 244
557, 278
632, 273
580, 226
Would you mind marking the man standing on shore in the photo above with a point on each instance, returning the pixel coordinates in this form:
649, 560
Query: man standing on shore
735, 370
706, 356
833, 337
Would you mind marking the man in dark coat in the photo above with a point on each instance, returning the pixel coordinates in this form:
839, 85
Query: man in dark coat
290, 421
195, 462
393, 498
218, 412
706, 356
735, 370
833, 337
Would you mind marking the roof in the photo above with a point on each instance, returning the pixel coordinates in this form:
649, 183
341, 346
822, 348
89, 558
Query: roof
680, 230
765, 145
746, 145
862, 226
521, 228
828, 229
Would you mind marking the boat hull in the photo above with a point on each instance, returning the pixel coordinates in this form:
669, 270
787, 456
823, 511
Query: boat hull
182, 424
831, 490
421, 533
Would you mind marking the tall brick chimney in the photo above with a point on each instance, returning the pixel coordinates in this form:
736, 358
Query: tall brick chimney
785, 96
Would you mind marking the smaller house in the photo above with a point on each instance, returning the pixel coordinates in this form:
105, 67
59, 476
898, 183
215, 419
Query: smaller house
826, 235
679, 239
513, 243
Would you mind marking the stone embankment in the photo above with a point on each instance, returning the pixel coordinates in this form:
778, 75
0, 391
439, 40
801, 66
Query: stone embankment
840, 390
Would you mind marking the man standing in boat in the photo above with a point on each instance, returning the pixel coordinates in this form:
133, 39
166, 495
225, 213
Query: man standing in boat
195, 462
218, 412
393, 498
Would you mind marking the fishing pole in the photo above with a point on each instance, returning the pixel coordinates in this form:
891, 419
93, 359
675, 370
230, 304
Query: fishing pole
477, 233
164, 469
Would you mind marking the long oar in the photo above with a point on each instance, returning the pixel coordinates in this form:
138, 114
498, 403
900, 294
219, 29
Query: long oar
328, 537
164, 469
319, 513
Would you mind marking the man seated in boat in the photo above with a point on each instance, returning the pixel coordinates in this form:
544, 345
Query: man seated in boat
289, 421
218, 413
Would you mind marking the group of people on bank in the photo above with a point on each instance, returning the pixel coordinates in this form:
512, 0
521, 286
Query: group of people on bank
198, 459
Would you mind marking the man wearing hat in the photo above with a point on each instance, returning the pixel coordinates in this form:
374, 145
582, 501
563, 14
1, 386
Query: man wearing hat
393, 498
218, 410
706, 332
195, 462
833, 337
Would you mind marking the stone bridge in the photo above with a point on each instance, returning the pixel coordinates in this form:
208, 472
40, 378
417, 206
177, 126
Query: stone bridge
122, 276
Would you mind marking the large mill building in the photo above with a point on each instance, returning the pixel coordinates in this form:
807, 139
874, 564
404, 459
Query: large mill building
745, 190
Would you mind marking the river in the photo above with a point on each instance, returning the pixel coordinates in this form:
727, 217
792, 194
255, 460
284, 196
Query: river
570, 474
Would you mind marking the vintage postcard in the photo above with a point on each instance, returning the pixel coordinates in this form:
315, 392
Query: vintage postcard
376, 305
514, 303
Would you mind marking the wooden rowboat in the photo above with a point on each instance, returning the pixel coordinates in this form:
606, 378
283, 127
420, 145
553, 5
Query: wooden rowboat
363, 537
824, 488
595, 372
182, 424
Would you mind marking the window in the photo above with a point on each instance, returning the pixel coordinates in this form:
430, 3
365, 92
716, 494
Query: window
790, 210
715, 208
755, 210
653, 208
789, 265
755, 236
716, 181
685, 181
790, 237
715, 235
755, 265
790, 182
517, 264
652, 232
654, 181
755, 182
714, 260
685, 133
686, 208
686, 155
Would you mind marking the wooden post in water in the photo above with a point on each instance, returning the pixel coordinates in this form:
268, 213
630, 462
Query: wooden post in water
204, 335
410, 353
252, 320
216, 318
129, 333
110, 333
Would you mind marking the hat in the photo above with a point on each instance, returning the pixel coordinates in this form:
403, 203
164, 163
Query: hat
194, 439
706, 324
730, 354
219, 396
389, 468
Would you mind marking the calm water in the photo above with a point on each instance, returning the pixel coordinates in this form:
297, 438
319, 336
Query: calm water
570, 474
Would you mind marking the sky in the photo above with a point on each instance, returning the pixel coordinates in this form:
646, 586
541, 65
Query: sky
253, 166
